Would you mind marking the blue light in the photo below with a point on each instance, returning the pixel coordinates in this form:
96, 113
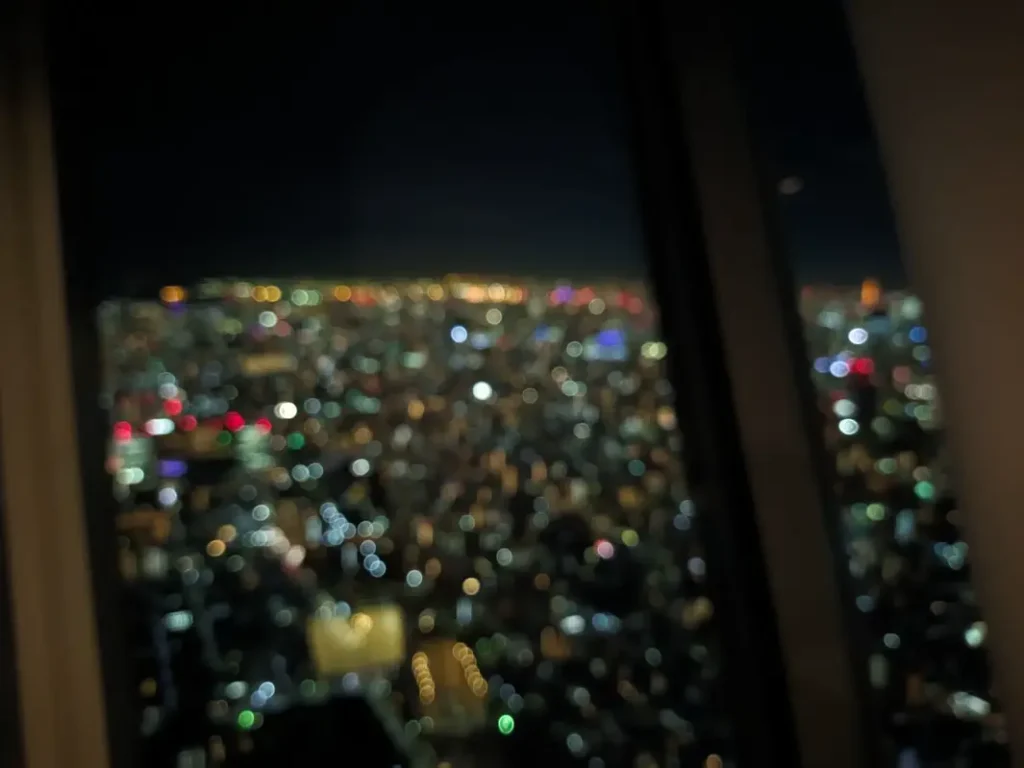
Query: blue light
459, 334
821, 365
611, 337
173, 468
918, 335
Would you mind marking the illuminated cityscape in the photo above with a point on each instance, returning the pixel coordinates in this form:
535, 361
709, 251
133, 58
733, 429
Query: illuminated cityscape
462, 503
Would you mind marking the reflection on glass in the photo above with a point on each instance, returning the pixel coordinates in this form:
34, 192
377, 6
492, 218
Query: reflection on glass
459, 501
908, 559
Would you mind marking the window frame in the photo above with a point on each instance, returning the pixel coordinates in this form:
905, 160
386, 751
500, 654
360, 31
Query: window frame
769, 522
63, 720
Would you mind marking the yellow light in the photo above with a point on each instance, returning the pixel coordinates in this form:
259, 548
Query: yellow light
342, 293
471, 586
273, 293
435, 292
259, 293
362, 622
227, 533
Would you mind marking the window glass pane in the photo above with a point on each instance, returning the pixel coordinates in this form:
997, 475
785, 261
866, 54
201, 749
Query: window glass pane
443, 513
868, 347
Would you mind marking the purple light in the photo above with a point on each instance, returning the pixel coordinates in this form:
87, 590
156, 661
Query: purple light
563, 294
173, 468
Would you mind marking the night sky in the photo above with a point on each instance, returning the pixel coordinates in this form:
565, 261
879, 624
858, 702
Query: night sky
399, 137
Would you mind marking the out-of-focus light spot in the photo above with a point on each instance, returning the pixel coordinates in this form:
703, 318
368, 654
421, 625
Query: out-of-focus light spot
482, 390
216, 548
839, 369
857, 336
459, 334
157, 427
849, 427
172, 294
604, 548
285, 410
924, 490
975, 634
506, 724
844, 408
233, 421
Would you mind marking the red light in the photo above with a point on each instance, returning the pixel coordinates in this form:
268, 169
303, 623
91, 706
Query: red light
585, 296
635, 306
263, 425
122, 431
172, 406
188, 423
233, 421
864, 366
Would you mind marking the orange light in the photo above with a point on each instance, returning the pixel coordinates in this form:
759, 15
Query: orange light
870, 293
215, 548
172, 294
342, 293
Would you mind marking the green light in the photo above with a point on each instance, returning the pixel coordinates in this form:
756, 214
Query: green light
246, 719
296, 441
924, 490
506, 724
224, 438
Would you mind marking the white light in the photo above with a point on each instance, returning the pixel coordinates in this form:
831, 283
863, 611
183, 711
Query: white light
857, 336
844, 408
839, 369
482, 390
296, 554
975, 634
414, 578
459, 334
268, 319
849, 427
573, 625
360, 467
493, 316
285, 410
159, 426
